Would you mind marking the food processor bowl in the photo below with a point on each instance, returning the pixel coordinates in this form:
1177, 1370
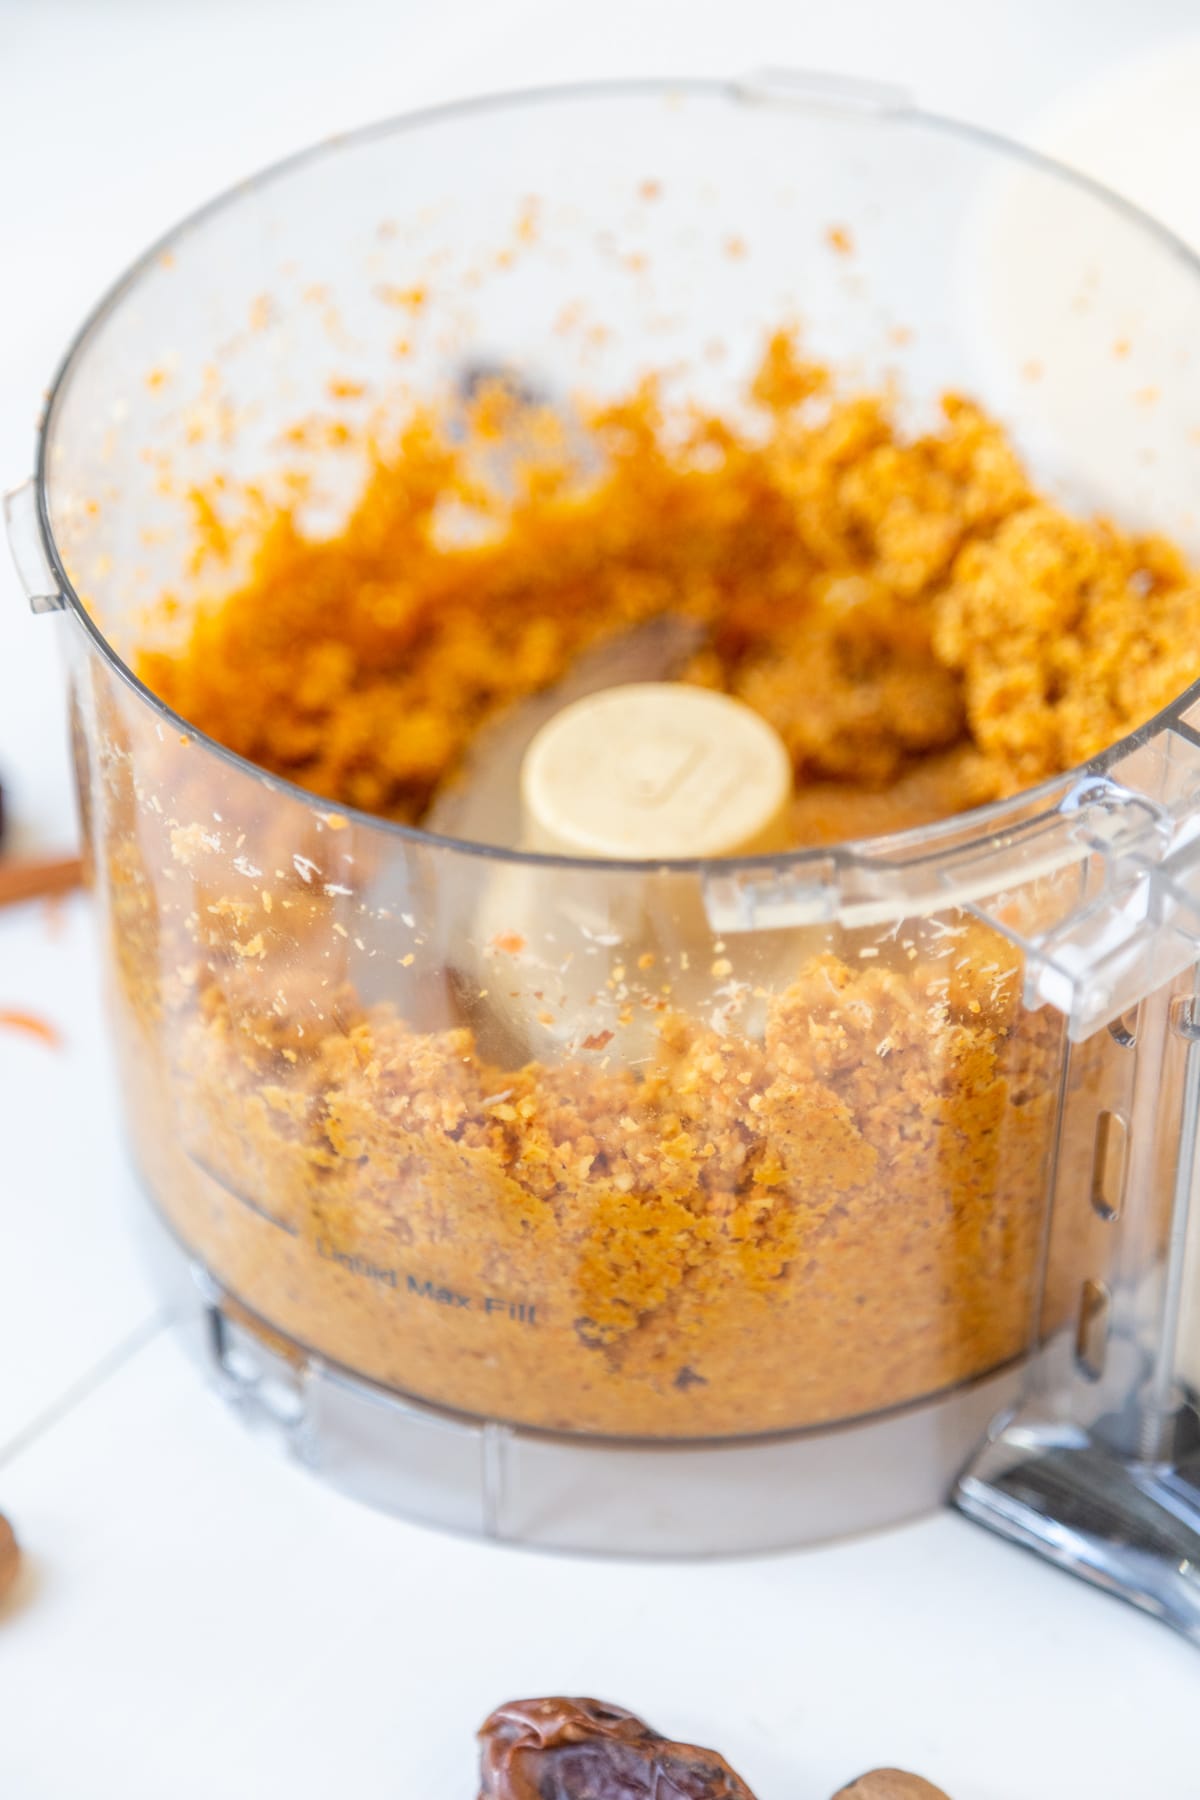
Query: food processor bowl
685, 1207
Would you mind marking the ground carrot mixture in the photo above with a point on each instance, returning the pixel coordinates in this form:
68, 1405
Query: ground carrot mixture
817, 1198
906, 612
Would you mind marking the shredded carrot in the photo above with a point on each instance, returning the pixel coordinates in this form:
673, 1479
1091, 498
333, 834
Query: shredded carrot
33, 1026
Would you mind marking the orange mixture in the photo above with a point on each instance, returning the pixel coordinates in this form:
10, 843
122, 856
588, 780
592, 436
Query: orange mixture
907, 613
821, 1200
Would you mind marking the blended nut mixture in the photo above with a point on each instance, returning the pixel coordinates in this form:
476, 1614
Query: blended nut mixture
713, 1208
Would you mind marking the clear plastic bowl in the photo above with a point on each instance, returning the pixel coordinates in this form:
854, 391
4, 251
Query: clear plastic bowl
553, 1278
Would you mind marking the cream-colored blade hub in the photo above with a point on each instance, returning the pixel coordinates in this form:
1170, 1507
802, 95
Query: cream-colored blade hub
483, 804
574, 959
655, 771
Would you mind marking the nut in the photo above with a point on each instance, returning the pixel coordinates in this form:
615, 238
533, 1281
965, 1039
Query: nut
10, 1557
890, 1784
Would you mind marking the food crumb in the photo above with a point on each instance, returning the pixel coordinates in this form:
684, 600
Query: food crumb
32, 1025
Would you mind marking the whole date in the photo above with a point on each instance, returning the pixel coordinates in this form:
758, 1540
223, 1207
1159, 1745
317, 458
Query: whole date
560, 1749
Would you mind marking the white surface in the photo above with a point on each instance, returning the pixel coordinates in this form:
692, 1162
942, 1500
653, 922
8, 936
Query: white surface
200, 1618
212, 1621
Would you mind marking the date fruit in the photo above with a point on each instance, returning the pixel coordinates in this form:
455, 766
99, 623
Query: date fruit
558, 1749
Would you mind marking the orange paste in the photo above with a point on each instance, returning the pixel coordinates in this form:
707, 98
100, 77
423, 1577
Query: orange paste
820, 1203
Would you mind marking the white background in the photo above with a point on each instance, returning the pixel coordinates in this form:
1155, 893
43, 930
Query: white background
198, 1618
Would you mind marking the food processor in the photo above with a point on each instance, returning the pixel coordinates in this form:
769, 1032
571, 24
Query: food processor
671, 1193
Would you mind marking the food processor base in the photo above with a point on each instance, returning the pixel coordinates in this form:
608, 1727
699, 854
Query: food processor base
517, 1485
1130, 1527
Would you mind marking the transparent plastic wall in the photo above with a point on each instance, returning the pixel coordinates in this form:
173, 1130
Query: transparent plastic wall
681, 1155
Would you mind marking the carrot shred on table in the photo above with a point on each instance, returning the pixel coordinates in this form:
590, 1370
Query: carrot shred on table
33, 1025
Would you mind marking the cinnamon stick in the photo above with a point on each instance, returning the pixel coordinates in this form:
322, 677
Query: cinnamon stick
37, 878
